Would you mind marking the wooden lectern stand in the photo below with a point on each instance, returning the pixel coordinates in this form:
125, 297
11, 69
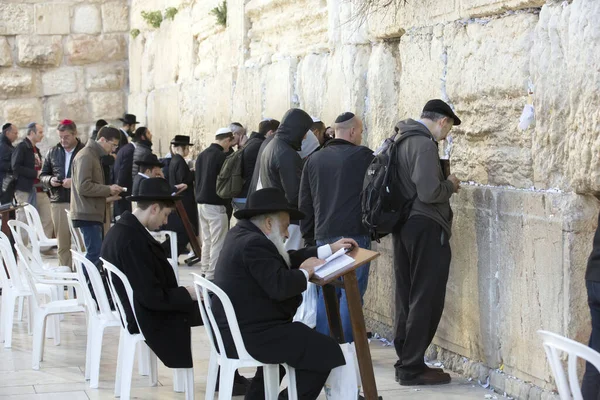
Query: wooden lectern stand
350, 284
189, 230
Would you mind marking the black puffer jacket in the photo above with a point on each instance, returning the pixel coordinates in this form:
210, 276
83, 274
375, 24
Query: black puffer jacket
280, 165
249, 159
6, 150
142, 148
54, 166
23, 165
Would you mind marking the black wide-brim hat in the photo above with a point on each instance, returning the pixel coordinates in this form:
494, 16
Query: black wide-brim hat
181, 140
154, 189
129, 119
268, 201
150, 160
441, 107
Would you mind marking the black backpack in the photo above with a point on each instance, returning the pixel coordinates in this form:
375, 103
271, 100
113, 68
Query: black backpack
384, 205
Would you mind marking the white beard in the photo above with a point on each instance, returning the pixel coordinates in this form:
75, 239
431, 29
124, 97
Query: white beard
279, 241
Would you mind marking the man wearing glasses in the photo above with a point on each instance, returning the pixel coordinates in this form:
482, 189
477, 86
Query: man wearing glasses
90, 196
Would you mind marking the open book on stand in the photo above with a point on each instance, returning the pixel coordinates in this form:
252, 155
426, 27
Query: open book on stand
334, 263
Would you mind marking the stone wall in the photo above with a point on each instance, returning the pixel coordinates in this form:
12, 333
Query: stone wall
63, 60
525, 218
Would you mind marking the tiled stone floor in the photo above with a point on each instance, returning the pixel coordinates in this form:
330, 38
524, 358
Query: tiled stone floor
62, 372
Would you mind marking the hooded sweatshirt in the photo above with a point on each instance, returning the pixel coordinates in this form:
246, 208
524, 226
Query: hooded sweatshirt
420, 173
280, 165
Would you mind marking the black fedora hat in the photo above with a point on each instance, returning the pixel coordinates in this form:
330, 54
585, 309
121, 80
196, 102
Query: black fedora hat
129, 119
181, 140
267, 201
150, 160
154, 189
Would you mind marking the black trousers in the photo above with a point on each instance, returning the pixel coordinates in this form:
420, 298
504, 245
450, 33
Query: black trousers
421, 265
590, 387
308, 384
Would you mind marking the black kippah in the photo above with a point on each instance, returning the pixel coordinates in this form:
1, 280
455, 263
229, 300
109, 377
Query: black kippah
6, 126
343, 117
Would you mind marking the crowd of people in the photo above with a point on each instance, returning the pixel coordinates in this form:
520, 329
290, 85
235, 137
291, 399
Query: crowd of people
298, 201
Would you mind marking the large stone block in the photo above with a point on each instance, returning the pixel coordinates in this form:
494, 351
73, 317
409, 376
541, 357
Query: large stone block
52, 18
163, 116
106, 105
5, 53
115, 17
16, 83
247, 97
86, 49
278, 80
565, 99
105, 77
16, 19
311, 86
136, 105
87, 19
68, 106
480, 8
38, 51
61, 80
22, 112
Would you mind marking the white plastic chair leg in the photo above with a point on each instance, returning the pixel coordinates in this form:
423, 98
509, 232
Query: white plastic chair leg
226, 381
189, 384
88, 348
127, 361
96, 354
30, 312
120, 353
271, 377
38, 340
179, 380
211, 380
20, 312
292, 389
8, 310
153, 363
143, 365
56, 319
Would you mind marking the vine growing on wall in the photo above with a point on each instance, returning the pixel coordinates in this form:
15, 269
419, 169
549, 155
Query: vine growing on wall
220, 12
135, 33
170, 13
364, 8
153, 18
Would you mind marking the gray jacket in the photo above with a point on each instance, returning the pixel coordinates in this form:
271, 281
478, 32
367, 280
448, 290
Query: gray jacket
420, 173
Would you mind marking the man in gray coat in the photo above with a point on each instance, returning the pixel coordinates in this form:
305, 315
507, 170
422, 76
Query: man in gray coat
421, 246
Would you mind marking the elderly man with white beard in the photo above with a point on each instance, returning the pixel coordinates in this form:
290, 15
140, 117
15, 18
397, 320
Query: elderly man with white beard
265, 285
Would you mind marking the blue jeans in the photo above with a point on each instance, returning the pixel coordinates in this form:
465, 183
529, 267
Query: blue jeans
362, 275
92, 238
590, 388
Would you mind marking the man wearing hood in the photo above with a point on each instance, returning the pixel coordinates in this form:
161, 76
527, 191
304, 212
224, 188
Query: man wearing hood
280, 165
422, 245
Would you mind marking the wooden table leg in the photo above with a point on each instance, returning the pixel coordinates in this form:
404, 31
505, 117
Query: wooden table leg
333, 313
363, 353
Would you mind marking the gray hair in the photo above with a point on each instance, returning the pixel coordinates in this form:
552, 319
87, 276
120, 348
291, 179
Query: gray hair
259, 220
31, 128
433, 116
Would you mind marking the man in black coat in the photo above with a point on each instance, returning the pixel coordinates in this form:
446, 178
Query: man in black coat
122, 175
265, 283
7, 138
56, 177
165, 311
129, 122
251, 150
143, 146
212, 208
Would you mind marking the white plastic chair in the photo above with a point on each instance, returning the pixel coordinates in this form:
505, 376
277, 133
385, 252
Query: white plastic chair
128, 342
75, 235
15, 287
42, 311
100, 316
34, 220
568, 389
219, 360
174, 259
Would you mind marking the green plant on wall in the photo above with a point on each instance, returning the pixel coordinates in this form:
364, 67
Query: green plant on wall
135, 33
220, 12
153, 18
170, 13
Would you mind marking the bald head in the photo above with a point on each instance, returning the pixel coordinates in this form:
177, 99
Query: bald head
350, 130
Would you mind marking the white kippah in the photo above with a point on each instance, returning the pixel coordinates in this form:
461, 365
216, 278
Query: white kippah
315, 119
223, 131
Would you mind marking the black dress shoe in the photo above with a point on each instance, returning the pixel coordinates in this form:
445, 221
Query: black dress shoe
427, 368
241, 385
429, 377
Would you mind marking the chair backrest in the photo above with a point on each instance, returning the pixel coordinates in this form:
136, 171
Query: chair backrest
554, 344
86, 267
75, 234
203, 287
34, 221
10, 263
17, 228
112, 272
27, 260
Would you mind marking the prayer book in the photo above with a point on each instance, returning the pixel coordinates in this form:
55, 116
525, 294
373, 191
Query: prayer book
334, 263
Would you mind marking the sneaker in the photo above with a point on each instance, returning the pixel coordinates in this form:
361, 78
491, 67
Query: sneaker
429, 377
